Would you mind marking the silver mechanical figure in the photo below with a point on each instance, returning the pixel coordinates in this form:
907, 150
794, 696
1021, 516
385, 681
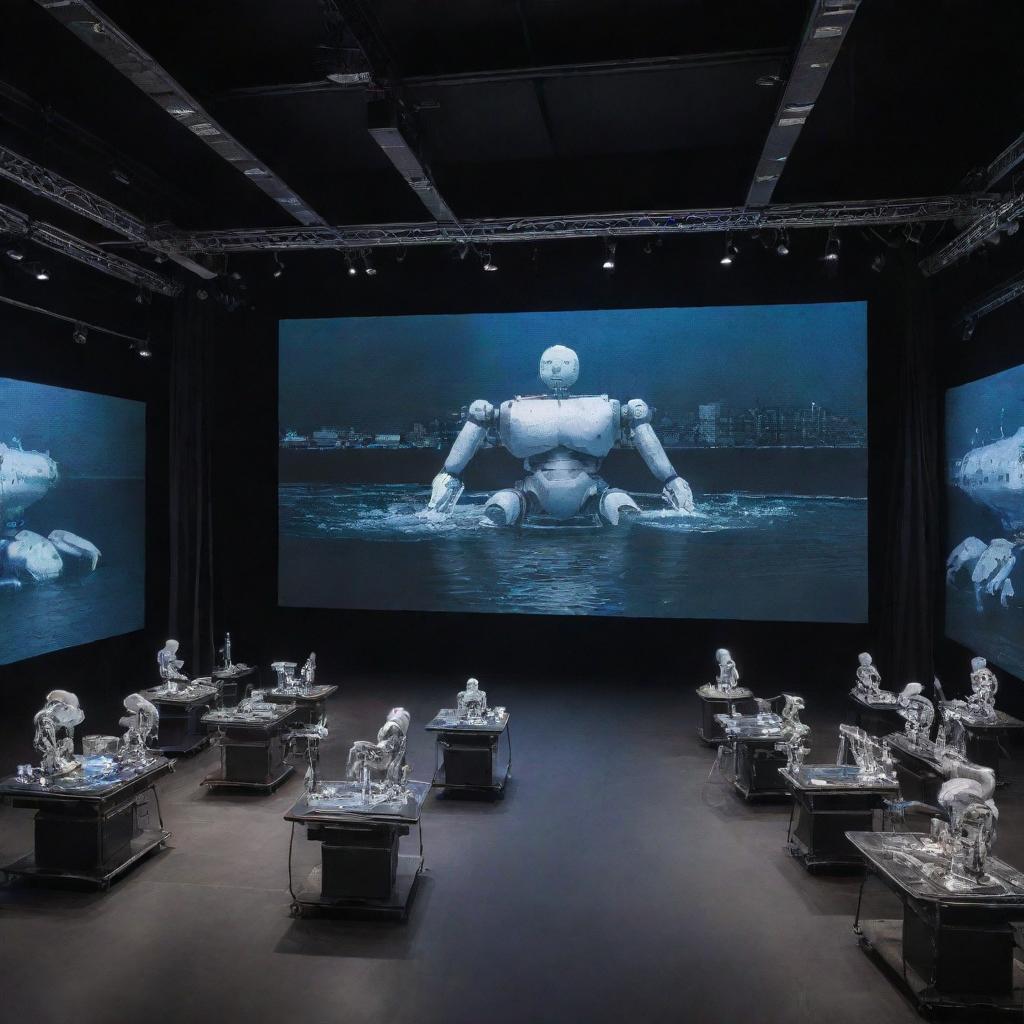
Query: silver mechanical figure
384, 759
869, 683
562, 439
170, 665
141, 725
55, 733
919, 713
472, 702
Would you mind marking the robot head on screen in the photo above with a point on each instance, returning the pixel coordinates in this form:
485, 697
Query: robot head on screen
559, 368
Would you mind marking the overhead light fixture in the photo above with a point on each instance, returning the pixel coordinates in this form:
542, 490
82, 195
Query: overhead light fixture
278, 265
648, 247
782, 247
143, 350
42, 274
832, 246
368, 266
878, 263
609, 254
968, 331
351, 266
15, 254
768, 81
731, 252
80, 334
401, 254
489, 264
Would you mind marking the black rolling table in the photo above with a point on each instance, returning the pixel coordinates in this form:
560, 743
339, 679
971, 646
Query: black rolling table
466, 753
828, 801
877, 719
233, 682
361, 871
757, 762
919, 769
984, 737
252, 747
714, 702
951, 951
181, 731
92, 824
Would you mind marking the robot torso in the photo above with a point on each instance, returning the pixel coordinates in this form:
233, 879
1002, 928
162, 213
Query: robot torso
588, 424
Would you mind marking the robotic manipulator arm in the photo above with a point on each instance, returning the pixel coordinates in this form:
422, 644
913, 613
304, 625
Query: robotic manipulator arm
447, 486
636, 417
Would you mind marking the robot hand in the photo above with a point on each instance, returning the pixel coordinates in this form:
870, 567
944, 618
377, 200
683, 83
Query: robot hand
445, 491
678, 494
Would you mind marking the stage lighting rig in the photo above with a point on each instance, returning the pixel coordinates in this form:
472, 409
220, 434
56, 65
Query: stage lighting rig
609, 255
80, 335
731, 252
489, 264
832, 246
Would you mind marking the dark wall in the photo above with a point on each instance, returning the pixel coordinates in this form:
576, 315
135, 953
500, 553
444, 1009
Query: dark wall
681, 272
38, 348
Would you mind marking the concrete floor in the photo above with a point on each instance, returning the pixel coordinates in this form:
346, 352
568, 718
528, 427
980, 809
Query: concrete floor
614, 882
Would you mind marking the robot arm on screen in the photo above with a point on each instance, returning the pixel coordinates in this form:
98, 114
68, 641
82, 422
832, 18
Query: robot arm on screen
447, 486
636, 420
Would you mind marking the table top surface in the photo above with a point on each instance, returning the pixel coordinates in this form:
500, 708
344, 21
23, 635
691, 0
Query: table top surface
99, 776
751, 727
910, 862
262, 716
236, 670
711, 692
875, 705
344, 804
195, 694
832, 778
925, 752
319, 691
1001, 720
447, 720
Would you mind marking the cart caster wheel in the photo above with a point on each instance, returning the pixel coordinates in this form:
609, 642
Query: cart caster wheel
295, 910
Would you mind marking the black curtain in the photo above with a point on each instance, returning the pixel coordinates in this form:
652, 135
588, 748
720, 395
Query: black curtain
911, 565
194, 330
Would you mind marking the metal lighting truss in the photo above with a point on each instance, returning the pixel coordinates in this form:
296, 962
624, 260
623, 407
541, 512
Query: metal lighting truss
986, 224
537, 229
1007, 291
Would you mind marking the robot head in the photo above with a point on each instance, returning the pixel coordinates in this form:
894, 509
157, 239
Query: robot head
864, 659
472, 685
401, 718
977, 664
559, 367
64, 708
172, 646
722, 656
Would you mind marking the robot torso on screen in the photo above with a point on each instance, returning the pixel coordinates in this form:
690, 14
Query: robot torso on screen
562, 440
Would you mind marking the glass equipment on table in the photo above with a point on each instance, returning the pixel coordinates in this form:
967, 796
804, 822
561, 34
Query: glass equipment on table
141, 725
869, 683
54, 737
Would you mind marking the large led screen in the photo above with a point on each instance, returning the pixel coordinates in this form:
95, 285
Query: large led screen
572, 493
985, 521
72, 499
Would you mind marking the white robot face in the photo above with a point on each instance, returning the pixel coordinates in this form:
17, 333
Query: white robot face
559, 367
864, 659
401, 718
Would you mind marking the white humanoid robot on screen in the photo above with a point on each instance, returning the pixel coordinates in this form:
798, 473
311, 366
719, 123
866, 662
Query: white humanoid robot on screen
562, 439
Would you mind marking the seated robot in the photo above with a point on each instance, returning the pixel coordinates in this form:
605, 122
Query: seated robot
385, 758
55, 732
984, 686
728, 677
919, 713
170, 665
141, 725
794, 731
472, 702
562, 439
869, 682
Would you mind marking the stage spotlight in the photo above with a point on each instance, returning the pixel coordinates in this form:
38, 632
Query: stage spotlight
731, 252
80, 334
609, 254
371, 270
401, 254
782, 248
42, 274
489, 264
143, 350
351, 266
15, 254
968, 331
278, 265
832, 246
878, 263
648, 247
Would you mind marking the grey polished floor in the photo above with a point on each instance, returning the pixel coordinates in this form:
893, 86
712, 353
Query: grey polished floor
613, 883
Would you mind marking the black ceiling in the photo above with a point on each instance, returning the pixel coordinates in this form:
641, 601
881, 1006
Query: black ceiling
923, 91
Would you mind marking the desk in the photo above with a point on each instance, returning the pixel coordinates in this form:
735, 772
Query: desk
950, 951
361, 871
252, 746
876, 718
180, 716
92, 824
919, 770
469, 753
714, 702
828, 801
984, 736
756, 761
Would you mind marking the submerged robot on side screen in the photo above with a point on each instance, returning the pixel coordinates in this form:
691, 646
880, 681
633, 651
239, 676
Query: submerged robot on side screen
25, 477
562, 439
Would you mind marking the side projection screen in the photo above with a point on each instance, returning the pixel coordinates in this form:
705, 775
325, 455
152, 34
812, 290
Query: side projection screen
72, 497
543, 462
985, 521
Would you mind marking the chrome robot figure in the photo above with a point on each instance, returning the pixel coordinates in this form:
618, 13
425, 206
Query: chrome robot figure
728, 678
919, 713
562, 439
984, 685
870, 755
472, 702
968, 837
869, 682
386, 758
140, 726
25, 477
55, 733
170, 665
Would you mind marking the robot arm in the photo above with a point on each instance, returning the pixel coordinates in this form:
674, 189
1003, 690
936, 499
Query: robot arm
636, 417
447, 487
